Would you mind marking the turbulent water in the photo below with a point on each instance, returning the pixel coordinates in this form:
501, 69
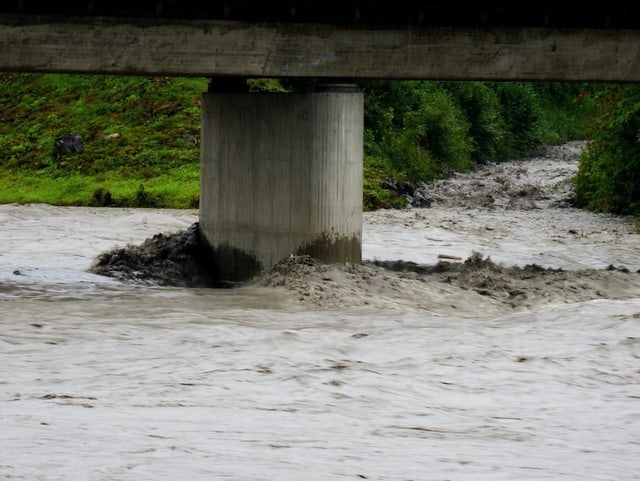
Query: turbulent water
493, 336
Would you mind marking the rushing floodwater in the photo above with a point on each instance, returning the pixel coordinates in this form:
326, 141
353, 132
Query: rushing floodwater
105, 381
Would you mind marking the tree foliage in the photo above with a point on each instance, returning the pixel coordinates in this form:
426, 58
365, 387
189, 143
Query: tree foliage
420, 131
608, 178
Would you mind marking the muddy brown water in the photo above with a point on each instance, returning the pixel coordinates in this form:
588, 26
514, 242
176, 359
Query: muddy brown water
519, 361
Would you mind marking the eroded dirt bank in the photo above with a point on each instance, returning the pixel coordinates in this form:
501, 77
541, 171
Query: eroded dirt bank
472, 286
476, 287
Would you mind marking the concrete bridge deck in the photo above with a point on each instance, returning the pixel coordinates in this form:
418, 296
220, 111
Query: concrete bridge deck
365, 39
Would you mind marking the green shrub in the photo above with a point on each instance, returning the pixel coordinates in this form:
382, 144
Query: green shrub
520, 112
417, 126
608, 178
376, 172
567, 110
481, 107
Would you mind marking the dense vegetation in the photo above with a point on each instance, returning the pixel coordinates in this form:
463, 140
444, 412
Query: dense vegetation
608, 178
421, 131
141, 135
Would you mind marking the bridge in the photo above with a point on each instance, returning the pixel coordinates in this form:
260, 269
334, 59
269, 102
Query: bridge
486, 40
281, 174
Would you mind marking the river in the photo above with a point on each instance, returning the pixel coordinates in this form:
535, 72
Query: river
485, 370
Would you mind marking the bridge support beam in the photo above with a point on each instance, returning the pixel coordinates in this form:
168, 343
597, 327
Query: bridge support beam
281, 174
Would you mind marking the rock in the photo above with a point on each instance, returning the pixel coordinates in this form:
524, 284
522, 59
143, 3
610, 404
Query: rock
420, 199
415, 197
68, 144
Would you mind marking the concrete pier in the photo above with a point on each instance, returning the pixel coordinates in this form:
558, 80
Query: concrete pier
281, 174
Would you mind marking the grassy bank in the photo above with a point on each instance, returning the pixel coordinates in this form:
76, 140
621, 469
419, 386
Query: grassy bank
141, 135
177, 188
140, 140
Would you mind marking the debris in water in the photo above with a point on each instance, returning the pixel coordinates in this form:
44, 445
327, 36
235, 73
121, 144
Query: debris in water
181, 259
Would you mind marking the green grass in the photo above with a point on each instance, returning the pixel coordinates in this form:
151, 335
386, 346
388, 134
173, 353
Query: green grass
177, 188
141, 140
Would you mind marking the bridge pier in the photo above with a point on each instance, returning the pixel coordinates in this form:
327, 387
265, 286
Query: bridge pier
281, 174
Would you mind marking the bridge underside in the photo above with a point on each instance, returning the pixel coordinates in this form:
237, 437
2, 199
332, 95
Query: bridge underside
559, 14
214, 47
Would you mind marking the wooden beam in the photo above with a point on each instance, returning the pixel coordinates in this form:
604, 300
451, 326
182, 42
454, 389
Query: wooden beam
122, 46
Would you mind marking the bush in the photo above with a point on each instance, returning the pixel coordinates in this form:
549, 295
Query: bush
376, 172
567, 110
481, 107
608, 178
434, 139
520, 112
418, 127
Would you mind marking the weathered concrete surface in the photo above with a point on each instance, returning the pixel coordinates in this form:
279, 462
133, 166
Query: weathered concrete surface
215, 47
281, 174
